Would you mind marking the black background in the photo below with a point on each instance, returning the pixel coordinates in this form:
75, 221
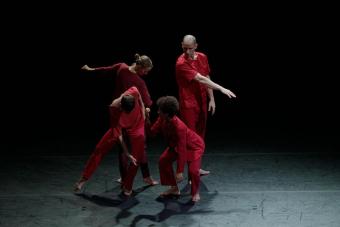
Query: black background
278, 61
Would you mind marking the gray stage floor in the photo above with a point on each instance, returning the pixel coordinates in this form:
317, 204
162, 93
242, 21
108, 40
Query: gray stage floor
249, 185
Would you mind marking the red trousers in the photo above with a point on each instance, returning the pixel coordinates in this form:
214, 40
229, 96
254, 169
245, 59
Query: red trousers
124, 161
137, 150
195, 119
128, 172
167, 174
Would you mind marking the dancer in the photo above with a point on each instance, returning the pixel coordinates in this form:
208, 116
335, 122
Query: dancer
184, 146
127, 114
194, 85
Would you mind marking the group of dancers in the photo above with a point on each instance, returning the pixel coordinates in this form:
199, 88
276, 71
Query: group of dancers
182, 122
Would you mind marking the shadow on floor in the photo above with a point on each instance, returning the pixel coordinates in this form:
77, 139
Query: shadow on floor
175, 206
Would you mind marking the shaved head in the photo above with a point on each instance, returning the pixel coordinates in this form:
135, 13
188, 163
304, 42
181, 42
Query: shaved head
189, 39
189, 46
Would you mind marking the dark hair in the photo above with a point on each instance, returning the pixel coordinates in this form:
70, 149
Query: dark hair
144, 61
168, 105
127, 103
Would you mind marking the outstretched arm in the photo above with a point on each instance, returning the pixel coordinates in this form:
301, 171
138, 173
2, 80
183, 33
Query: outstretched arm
104, 68
212, 85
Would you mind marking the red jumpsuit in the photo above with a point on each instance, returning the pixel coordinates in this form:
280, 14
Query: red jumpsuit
124, 79
133, 124
185, 146
192, 95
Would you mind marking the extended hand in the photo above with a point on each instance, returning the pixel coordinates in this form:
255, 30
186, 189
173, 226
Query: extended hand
228, 92
212, 107
86, 68
179, 177
133, 160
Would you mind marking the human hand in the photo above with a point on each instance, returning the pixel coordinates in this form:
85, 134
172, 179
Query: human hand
179, 177
132, 159
228, 92
212, 107
86, 68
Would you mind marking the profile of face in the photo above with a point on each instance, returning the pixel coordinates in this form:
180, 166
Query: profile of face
189, 48
141, 71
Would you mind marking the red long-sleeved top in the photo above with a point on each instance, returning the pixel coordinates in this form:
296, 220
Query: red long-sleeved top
124, 79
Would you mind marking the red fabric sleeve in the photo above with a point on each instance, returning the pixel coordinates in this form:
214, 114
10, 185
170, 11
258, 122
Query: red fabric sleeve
113, 67
145, 95
155, 128
185, 71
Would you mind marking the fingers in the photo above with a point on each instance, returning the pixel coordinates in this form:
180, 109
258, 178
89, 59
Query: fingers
229, 93
213, 111
133, 160
232, 94
179, 177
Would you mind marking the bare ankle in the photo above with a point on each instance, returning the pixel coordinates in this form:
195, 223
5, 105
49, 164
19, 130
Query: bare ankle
196, 197
127, 192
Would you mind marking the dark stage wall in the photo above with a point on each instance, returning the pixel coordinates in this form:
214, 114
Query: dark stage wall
278, 66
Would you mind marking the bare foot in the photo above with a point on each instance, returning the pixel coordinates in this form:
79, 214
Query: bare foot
204, 172
196, 198
127, 192
79, 185
119, 180
150, 181
173, 190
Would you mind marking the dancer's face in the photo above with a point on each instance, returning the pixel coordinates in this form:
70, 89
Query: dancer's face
143, 70
189, 48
